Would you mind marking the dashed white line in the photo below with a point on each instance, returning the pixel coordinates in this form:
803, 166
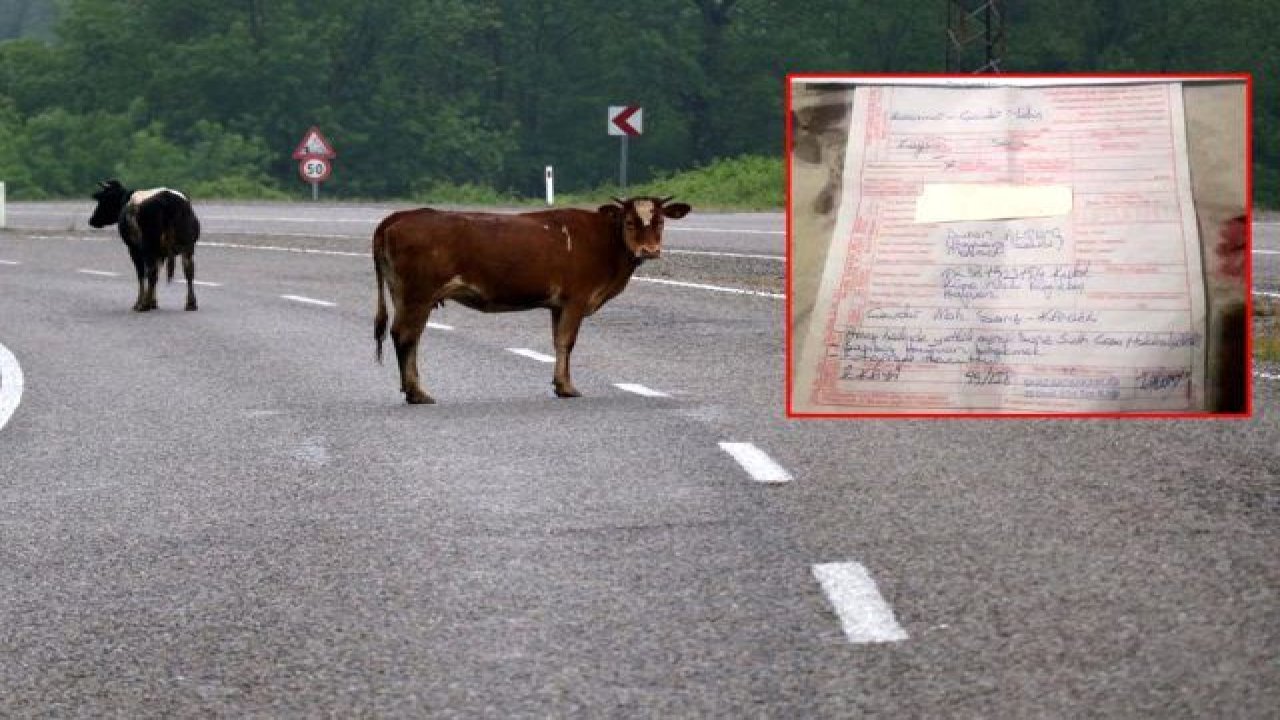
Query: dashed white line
640, 390
276, 248
716, 288
864, 615
756, 462
1266, 294
439, 326
102, 273
1266, 252
532, 354
309, 301
10, 384
1266, 376
9, 262
206, 283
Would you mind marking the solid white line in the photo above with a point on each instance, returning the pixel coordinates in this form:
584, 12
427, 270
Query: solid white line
309, 301
1267, 294
354, 236
677, 228
439, 326
777, 258
206, 283
1266, 376
640, 390
103, 273
716, 288
756, 462
371, 222
1266, 252
10, 384
532, 354
304, 251
9, 262
864, 614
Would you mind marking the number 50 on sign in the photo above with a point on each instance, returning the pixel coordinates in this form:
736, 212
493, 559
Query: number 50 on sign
314, 170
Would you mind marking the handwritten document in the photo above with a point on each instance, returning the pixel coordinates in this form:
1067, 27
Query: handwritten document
1010, 249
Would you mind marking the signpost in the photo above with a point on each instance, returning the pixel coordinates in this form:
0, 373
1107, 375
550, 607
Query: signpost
625, 121
551, 187
313, 155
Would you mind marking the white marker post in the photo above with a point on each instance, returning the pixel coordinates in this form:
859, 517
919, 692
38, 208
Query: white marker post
551, 187
2, 225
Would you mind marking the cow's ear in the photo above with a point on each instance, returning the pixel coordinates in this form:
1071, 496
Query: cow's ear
676, 210
610, 210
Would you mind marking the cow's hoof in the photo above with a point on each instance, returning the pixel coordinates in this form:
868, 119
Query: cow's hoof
141, 307
417, 397
191, 306
567, 391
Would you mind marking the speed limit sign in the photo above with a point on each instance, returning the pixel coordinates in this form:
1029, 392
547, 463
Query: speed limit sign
314, 169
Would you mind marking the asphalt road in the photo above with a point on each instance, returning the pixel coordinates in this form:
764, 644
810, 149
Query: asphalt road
232, 513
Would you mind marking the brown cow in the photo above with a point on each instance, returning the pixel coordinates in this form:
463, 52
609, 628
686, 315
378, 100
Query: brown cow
569, 261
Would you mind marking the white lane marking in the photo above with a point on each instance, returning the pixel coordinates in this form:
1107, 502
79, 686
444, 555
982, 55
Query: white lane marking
777, 258
1267, 294
677, 228
10, 384
9, 262
716, 288
1266, 376
312, 251
439, 326
532, 354
301, 235
756, 462
640, 390
309, 301
103, 273
206, 283
304, 251
864, 615
1266, 252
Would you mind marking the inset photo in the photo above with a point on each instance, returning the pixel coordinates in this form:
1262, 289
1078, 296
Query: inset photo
1018, 245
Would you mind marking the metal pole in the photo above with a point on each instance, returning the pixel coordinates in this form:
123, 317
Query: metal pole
315, 190
622, 166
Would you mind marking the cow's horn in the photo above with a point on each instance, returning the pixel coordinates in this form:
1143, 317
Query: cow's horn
667, 199
620, 202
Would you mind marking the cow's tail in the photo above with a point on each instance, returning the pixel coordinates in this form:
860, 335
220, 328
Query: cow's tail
168, 266
379, 260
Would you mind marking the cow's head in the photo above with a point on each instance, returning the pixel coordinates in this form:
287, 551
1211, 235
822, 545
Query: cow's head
641, 221
111, 197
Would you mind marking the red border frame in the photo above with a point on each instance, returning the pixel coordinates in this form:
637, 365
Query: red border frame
851, 79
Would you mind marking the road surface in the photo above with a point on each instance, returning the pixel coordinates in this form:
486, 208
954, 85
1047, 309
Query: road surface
232, 512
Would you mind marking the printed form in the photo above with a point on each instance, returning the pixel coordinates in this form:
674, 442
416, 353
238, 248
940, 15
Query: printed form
1010, 249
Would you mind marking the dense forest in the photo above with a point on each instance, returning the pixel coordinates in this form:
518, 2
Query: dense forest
418, 96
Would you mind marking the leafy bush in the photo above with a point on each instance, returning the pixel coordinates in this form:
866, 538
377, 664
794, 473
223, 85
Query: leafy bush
748, 182
237, 187
447, 193
745, 182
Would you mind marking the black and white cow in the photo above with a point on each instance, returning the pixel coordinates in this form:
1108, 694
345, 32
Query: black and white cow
156, 225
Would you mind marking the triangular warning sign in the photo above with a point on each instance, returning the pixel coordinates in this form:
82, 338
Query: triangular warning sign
314, 145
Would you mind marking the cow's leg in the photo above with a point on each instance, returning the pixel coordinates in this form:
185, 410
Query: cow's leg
564, 329
406, 332
189, 270
153, 275
140, 266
